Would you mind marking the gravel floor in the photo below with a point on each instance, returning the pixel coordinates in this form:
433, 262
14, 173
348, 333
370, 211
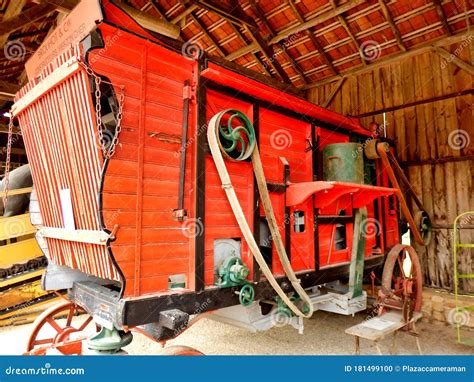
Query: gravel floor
324, 334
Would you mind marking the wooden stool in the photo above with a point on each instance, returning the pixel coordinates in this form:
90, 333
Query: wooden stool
377, 328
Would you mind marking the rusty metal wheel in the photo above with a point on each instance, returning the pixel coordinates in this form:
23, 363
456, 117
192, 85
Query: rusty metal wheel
59, 327
402, 282
180, 350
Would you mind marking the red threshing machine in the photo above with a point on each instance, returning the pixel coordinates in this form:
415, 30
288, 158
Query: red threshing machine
173, 184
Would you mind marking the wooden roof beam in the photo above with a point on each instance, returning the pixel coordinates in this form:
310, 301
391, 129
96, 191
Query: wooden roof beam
313, 39
206, 33
8, 87
154, 4
345, 25
264, 20
182, 15
442, 17
269, 54
14, 8
149, 21
253, 47
235, 15
388, 16
452, 58
25, 18
316, 20
422, 48
63, 6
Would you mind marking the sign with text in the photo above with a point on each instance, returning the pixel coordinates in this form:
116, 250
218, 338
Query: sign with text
75, 26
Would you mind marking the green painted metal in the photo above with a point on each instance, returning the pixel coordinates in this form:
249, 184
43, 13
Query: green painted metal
356, 269
246, 295
236, 134
343, 162
109, 341
232, 272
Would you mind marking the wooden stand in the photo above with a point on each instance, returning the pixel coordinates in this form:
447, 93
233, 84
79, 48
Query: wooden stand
377, 328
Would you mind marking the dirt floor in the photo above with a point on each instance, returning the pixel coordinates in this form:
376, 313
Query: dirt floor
323, 334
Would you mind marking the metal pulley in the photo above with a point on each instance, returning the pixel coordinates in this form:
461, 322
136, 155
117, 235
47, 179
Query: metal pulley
232, 272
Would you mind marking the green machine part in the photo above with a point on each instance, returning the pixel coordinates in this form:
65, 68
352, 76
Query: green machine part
356, 269
343, 162
232, 272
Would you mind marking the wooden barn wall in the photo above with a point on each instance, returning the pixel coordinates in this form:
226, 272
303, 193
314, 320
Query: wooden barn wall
434, 141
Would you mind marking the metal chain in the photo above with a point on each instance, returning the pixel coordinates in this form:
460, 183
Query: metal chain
107, 150
6, 178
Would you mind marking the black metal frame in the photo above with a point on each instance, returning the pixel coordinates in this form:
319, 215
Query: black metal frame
103, 302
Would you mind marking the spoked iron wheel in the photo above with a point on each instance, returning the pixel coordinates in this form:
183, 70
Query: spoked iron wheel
180, 350
59, 327
401, 282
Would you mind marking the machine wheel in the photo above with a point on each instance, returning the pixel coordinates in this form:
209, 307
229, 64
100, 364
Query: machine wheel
402, 282
41, 337
180, 350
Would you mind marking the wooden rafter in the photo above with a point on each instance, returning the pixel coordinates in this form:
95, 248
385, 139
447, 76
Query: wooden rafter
25, 18
268, 53
242, 52
313, 39
316, 20
149, 21
154, 4
388, 16
182, 15
255, 57
283, 50
442, 16
235, 15
439, 42
64, 6
345, 25
206, 33
333, 93
8, 87
452, 58
14, 8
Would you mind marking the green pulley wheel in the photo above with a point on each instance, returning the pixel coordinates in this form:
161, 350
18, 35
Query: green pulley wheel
246, 295
236, 135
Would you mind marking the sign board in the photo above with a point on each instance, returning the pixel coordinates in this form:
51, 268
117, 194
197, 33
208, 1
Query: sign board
75, 27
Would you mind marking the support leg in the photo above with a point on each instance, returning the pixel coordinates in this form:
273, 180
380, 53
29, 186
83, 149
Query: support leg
379, 351
357, 343
393, 349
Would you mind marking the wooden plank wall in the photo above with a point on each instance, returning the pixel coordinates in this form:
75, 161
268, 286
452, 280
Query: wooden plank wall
429, 138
